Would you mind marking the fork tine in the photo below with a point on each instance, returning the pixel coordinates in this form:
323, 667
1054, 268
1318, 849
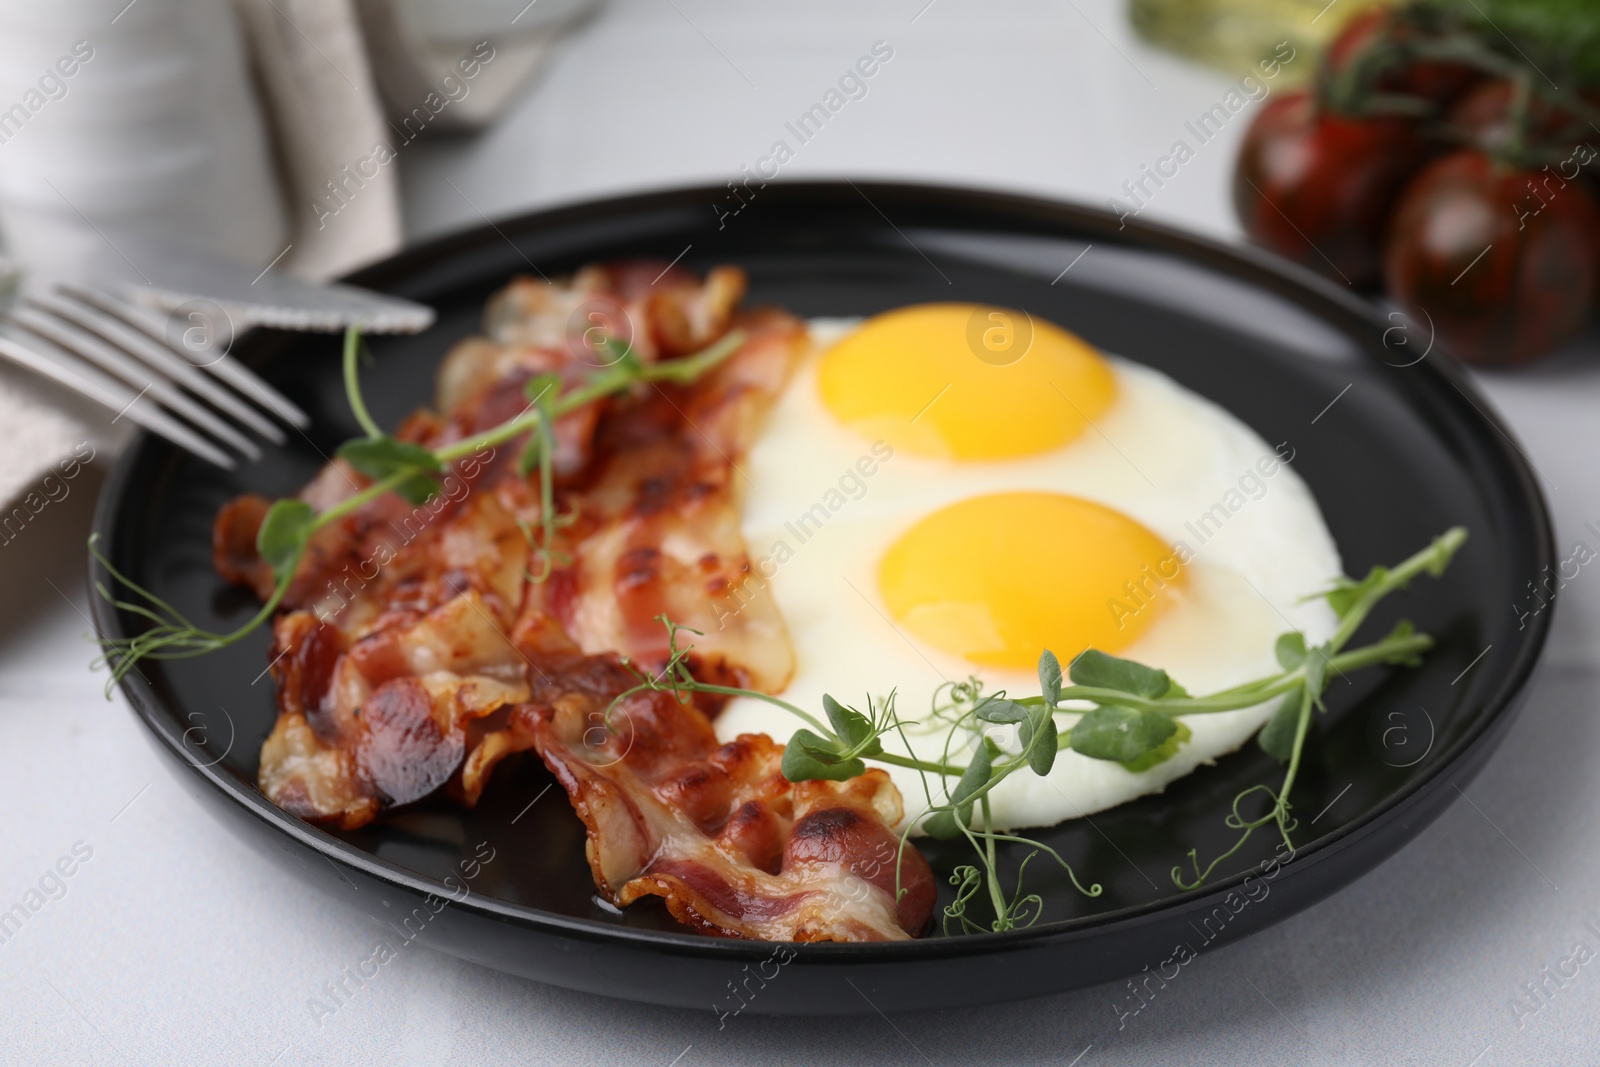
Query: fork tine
245, 381
87, 346
160, 357
85, 380
230, 370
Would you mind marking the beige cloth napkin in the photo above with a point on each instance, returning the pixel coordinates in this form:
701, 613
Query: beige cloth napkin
46, 429
349, 84
316, 81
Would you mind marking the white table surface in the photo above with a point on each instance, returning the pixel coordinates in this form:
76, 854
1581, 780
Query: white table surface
175, 944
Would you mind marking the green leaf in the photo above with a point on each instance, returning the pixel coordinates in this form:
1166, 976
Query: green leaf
541, 389
1403, 628
1317, 673
419, 489
976, 776
1050, 677
380, 457
1290, 650
1345, 593
1100, 671
528, 462
947, 823
1120, 734
1277, 737
853, 728
284, 532
1162, 752
1040, 720
1445, 547
623, 357
1041, 752
808, 757
1001, 711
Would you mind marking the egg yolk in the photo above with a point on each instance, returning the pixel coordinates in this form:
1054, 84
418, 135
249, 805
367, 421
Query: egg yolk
998, 579
965, 381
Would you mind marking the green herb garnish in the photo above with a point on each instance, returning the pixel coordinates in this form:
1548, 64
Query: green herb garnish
396, 466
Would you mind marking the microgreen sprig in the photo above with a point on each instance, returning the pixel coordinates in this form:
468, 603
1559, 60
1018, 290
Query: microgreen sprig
402, 467
1134, 719
1284, 736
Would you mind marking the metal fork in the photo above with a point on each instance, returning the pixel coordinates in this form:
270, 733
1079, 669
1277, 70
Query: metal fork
119, 355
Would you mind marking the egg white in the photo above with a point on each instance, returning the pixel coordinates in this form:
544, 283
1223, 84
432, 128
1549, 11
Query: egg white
1160, 454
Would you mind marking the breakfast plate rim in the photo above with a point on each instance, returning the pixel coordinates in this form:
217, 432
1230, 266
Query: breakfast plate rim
134, 467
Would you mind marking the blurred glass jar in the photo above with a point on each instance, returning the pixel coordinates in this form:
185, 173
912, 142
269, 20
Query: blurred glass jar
1232, 35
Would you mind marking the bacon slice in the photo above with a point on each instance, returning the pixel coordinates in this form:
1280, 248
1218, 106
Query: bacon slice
659, 529
419, 646
715, 829
384, 720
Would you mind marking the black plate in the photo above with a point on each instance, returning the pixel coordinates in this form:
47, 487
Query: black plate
1404, 453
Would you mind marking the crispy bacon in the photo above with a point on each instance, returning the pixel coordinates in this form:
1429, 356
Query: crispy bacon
716, 830
416, 649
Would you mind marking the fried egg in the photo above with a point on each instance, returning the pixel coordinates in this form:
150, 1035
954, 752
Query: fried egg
944, 491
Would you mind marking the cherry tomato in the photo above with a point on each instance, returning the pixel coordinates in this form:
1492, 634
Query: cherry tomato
1437, 81
1317, 188
1501, 260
